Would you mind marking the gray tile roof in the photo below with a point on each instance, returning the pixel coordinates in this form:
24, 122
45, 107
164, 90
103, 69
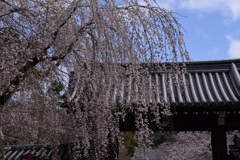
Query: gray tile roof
213, 83
208, 83
17, 152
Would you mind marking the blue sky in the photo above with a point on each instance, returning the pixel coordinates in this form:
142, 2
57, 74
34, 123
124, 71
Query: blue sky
212, 27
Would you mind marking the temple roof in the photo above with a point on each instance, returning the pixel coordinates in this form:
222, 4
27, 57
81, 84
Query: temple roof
19, 151
207, 83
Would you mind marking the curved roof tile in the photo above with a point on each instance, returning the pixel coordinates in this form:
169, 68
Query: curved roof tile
210, 83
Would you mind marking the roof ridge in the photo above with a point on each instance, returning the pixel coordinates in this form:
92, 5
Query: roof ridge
214, 62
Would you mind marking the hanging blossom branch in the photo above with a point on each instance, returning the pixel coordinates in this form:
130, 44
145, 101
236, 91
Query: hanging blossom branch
22, 73
105, 49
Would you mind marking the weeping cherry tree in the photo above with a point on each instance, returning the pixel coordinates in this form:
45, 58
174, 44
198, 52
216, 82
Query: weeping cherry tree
63, 64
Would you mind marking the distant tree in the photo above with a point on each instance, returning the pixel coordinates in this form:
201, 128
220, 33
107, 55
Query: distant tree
101, 42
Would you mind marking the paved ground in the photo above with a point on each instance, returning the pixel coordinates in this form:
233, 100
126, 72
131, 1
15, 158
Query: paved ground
185, 146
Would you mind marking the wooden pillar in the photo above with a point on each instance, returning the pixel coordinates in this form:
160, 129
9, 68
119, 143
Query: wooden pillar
219, 143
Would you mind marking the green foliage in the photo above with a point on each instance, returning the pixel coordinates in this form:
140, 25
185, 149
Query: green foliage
129, 142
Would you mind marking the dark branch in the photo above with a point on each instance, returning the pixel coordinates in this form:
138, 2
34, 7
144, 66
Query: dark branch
16, 81
33, 62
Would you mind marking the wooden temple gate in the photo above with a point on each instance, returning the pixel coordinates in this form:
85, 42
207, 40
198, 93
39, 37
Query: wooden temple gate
208, 101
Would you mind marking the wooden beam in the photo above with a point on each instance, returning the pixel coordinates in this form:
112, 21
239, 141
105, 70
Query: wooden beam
219, 142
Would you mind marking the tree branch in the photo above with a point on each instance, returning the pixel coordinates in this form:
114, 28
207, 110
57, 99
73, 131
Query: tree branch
33, 62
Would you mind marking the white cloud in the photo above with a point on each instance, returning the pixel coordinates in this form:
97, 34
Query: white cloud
201, 5
234, 47
234, 6
229, 8
167, 4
